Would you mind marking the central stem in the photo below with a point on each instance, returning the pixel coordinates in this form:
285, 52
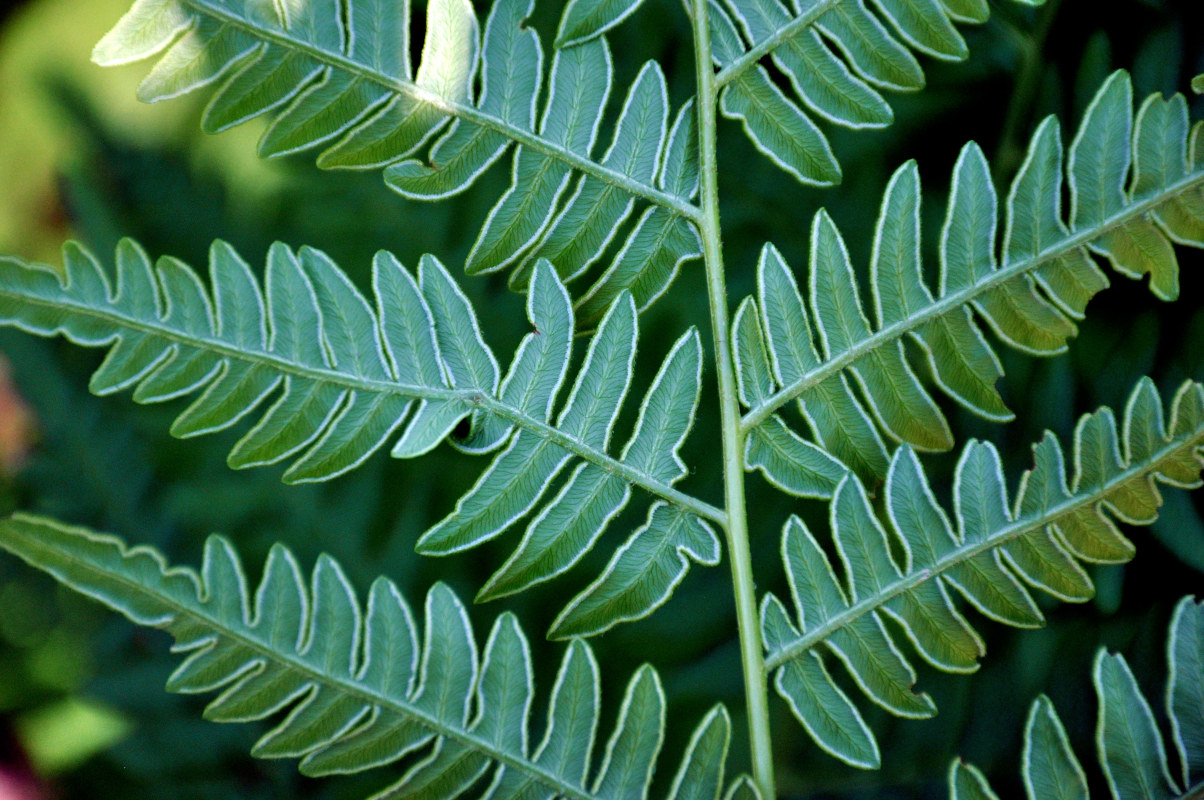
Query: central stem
751, 647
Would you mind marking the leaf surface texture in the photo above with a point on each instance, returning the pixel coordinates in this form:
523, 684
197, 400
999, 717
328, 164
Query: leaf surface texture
338, 76
407, 372
1022, 269
990, 551
364, 686
1129, 744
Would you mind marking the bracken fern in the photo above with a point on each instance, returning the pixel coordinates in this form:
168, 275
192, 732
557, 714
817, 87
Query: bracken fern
324, 377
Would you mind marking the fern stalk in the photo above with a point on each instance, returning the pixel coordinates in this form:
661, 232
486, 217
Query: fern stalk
752, 659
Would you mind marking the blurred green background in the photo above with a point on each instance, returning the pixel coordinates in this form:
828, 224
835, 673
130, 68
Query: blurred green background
82, 710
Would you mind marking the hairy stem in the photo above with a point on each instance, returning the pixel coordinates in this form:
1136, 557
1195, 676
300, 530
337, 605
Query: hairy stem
751, 647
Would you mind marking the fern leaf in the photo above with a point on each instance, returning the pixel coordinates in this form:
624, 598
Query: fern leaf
788, 461
645, 570
1128, 205
642, 573
583, 20
837, 55
743, 788
341, 82
1185, 688
701, 774
966, 782
409, 370
359, 690
996, 549
1129, 745
1051, 768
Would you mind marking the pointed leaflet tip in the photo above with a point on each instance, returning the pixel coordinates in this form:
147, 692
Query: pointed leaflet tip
586, 19
1126, 735
966, 782
642, 574
742, 788
700, 776
1185, 689
1050, 768
639, 733
148, 27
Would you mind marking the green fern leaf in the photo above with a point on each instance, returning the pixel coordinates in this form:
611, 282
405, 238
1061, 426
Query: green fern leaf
788, 461
642, 573
837, 56
1130, 747
359, 690
583, 20
411, 370
742, 788
1050, 766
341, 81
997, 548
1134, 189
701, 774
966, 782
1185, 689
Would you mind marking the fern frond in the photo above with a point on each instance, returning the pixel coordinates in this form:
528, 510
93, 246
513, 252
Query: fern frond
1134, 188
997, 547
644, 570
341, 79
360, 691
418, 365
1129, 744
838, 55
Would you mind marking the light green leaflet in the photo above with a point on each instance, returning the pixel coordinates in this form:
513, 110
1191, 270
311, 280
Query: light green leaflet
642, 573
837, 56
1134, 189
645, 570
990, 551
331, 75
361, 692
1129, 744
584, 19
406, 372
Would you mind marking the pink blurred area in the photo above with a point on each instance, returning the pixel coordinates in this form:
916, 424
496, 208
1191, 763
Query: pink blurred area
14, 786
